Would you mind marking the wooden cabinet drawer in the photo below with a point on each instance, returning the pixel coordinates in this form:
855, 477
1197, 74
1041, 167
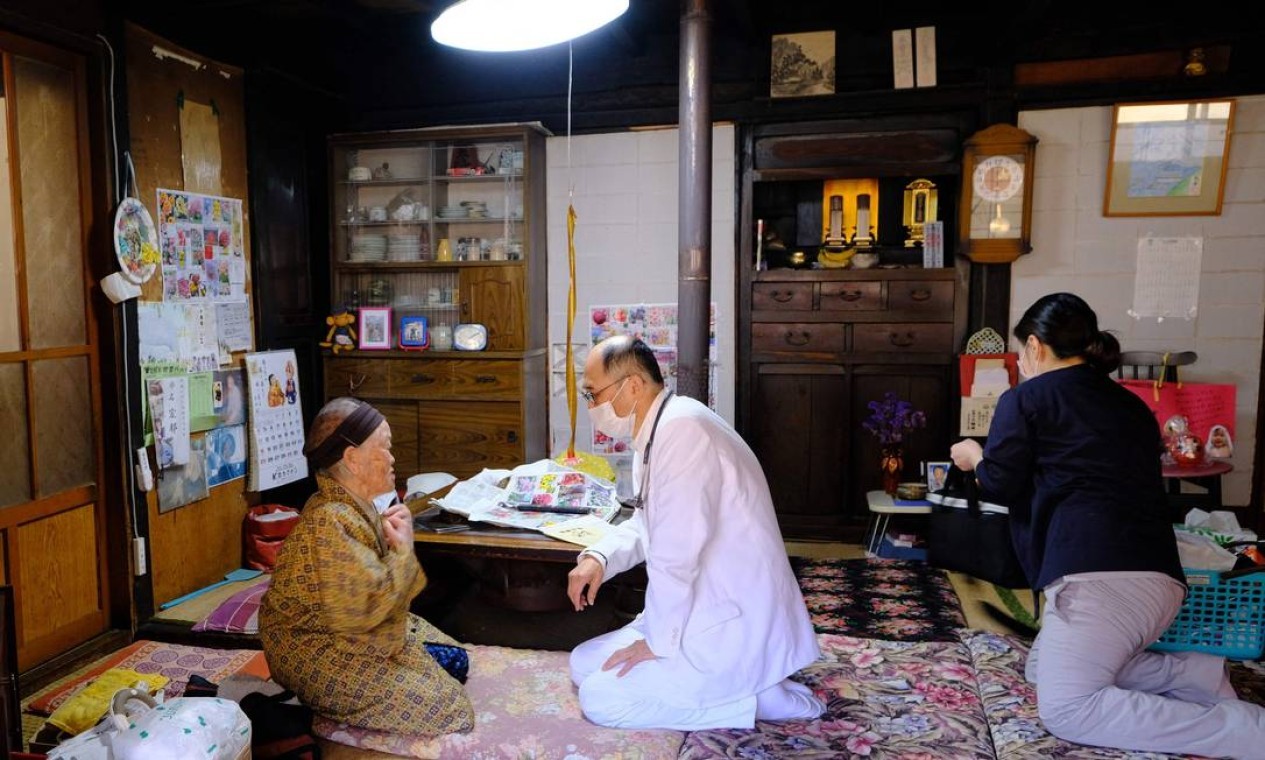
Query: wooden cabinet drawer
851, 296
356, 377
421, 379
777, 336
499, 380
782, 295
908, 337
921, 296
464, 438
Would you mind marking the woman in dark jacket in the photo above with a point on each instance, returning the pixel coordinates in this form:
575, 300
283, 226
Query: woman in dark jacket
1078, 458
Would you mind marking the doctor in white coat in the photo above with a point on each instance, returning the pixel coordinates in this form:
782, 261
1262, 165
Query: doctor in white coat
724, 623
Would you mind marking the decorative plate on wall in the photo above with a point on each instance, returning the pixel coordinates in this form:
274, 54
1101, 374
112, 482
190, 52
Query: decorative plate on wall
135, 241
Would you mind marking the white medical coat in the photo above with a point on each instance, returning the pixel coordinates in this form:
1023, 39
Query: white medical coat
722, 605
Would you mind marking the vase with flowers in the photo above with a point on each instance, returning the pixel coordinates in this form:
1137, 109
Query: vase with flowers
890, 420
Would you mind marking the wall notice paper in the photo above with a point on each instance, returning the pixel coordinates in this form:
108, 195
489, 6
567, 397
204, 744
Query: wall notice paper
933, 245
925, 45
902, 58
169, 411
225, 454
232, 321
184, 333
203, 247
200, 147
991, 378
276, 421
185, 484
1166, 283
544, 483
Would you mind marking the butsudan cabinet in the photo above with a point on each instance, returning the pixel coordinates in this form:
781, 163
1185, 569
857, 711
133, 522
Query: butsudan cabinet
820, 339
446, 225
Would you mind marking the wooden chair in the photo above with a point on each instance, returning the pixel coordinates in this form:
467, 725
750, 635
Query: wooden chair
1146, 365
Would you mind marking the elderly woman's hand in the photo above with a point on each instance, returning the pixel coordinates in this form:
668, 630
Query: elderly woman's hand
966, 454
397, 524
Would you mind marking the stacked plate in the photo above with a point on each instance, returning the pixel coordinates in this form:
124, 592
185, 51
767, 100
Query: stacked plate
404, 247
368, 248
475, 209
452, 212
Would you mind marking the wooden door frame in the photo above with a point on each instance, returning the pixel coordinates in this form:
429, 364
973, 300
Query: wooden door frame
92, 220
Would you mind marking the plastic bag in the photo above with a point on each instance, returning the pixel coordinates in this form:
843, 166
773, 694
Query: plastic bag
263, 529
201, 727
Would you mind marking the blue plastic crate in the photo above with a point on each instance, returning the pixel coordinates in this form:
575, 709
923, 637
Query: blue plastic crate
1219, 616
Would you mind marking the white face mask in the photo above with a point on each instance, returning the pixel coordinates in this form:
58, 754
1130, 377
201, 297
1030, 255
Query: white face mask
1025, 371
384, 501
605, 419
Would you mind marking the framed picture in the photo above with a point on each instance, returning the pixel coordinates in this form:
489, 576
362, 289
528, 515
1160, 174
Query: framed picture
414, 335
936, 474
1168, 159
375, 328
803, 64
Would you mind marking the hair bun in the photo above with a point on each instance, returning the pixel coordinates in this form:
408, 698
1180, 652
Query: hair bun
1104, 352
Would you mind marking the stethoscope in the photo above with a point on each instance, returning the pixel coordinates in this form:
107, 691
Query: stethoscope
639, 501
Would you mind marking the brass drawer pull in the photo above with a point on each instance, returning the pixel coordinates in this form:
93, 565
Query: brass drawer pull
851, 295
485, 378
421, 378
797, 339
782, 296
901, 341
921, 294
353, 384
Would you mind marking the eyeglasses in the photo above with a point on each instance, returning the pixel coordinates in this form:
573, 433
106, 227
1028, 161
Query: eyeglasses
591, 396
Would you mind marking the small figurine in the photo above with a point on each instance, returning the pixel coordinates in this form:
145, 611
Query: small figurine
341, 336
1184, 447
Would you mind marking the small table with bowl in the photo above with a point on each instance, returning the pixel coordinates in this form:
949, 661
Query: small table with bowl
883, 506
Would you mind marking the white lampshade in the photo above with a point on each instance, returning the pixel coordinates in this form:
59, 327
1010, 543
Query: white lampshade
506, 25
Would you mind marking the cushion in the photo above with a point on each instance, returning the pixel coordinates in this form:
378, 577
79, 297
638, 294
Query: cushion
525, 706
239, 613
887, 698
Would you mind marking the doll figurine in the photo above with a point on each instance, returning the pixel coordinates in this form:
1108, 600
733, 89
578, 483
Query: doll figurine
341, 335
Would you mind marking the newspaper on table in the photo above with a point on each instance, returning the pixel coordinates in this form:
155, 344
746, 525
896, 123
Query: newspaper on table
545, 483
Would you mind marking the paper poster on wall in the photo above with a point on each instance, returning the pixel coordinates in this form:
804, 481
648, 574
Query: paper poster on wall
203, 247
178, 332
185, 484
276, 420
656, 324
169, 411
1166, 281
200, 147
225, 454
232, 321
228, 397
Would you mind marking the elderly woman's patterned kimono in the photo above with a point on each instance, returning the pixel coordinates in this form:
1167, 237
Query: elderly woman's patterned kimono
337, 631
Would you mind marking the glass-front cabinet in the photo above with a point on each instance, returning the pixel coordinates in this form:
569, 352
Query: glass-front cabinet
446, 224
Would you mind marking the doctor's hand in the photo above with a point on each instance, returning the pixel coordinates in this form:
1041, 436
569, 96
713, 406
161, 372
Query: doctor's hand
587, 574
966, 454
397, 525
629, 657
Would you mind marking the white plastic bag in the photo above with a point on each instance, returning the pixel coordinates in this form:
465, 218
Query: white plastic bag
201, 727
1202, 553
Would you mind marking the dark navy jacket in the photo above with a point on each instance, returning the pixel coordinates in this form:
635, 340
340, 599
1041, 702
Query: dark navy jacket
1077, 459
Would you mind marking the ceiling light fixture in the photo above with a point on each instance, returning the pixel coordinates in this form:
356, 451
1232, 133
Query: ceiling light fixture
498, 26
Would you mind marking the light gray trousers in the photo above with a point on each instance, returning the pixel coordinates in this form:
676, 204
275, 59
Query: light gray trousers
1097, 684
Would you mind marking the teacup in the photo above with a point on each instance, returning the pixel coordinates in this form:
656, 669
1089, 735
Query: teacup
378, 214
911, 491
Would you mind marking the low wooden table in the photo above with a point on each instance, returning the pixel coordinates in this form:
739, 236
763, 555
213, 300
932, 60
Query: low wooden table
882, 507
487, 541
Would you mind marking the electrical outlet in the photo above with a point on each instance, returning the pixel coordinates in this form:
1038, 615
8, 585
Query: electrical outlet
138, 556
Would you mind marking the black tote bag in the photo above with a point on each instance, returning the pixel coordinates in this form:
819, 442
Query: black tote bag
970, 535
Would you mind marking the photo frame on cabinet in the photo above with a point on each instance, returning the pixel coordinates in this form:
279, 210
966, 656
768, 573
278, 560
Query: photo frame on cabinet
414, 333
802, 65
375, 328
1168, 159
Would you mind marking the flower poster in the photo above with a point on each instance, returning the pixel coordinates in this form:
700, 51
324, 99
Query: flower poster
656, 324
202, 241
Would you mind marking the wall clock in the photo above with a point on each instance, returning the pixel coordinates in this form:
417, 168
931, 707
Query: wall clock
995, 217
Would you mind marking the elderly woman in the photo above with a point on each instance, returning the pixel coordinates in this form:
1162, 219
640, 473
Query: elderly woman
335, 623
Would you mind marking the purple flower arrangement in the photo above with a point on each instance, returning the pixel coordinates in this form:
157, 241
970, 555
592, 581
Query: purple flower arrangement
891, 418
